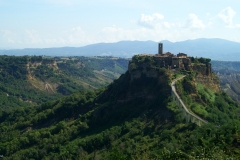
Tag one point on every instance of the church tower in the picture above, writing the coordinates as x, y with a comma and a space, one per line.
160, 48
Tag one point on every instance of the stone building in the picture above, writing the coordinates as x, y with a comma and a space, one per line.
140, 66
167, 59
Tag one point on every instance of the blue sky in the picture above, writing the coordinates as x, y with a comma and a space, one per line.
57, 23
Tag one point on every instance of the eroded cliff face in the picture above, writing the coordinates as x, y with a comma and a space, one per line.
211, 82
151, 73
144, 69
147, 67
205, 76
230, 84
146, 81
49, 63
202, 69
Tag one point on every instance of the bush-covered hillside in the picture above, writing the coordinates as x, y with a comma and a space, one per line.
33, 80
132, 118
213, 106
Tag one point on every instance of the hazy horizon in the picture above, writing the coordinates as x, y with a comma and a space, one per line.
9, 48
58, 23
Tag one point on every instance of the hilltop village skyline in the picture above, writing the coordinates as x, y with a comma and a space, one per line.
168, 59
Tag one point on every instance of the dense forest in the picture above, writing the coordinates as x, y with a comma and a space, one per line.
31, 80
132, 118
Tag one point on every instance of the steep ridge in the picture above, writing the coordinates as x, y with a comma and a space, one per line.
188, 115
132, 118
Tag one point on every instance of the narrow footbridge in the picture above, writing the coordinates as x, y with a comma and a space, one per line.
190, 117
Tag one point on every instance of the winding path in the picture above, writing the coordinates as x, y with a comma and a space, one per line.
187, 114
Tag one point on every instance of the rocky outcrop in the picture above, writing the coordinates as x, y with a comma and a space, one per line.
202, 69
211, 82
49, 63
139, 69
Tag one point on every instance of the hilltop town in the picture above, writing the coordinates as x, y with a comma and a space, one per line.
167, 59
179, 61
149, 65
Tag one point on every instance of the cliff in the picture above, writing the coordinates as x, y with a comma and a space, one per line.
205, 76
145, 66
148, 66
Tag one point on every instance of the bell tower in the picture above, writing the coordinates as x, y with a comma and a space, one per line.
160, 48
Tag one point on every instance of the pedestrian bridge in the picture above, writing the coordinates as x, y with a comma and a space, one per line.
190, 117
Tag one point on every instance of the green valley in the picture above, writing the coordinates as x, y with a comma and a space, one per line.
31, 80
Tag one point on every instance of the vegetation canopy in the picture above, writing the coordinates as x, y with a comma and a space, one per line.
134, 117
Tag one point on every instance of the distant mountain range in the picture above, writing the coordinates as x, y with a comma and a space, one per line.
216, 49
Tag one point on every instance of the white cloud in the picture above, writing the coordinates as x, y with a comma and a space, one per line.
114, 34
193, 23
237, 25
71, 37
227, 15
150, 21
7, 36
166, 24
33, 37
76, 35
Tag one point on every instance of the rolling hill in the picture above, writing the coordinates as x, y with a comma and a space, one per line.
216, 49
30, 80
